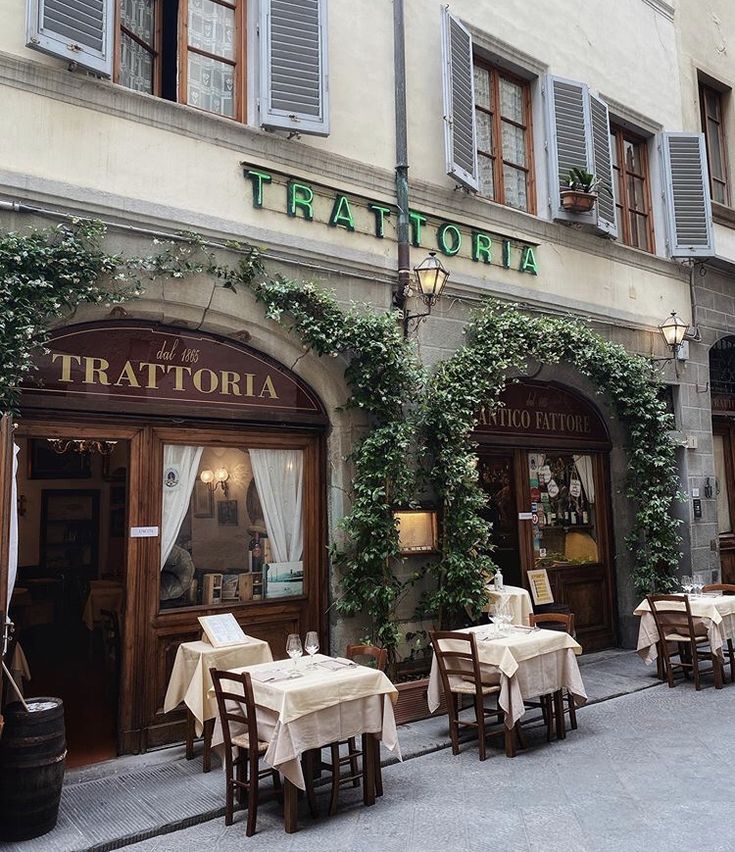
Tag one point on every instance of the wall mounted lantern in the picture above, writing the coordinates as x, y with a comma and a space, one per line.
431, 278
673, 330
214, 479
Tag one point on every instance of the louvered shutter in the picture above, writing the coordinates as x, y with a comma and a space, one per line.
686, 187
569, 139
459, 102
78, 31
602, 166
293, 65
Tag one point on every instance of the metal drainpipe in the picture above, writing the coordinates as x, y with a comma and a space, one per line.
404, 260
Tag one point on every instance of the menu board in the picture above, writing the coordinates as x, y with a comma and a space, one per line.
538, 579
222, 630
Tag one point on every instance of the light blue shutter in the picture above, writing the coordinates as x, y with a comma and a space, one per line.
459, 102
294, 85
686, 190
602, 166
78, 31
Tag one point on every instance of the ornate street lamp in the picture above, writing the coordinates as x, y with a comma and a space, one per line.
673, 329
431, 277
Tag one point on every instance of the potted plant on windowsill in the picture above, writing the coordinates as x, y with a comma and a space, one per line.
580, 195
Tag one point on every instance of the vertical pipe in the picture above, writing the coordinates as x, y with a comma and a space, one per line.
404, 261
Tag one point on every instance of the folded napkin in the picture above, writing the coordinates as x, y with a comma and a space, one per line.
274, 675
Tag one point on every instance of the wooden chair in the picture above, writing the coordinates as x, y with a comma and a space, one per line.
460, 674
726, 589
556, 621
242, 773
675, 626
379, 656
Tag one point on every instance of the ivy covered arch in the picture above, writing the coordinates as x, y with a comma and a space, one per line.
501, 338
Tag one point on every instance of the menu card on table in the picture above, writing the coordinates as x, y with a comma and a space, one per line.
540, 586
222, 630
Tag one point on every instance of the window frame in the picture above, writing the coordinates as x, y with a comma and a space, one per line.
496, 73
623, 210
705, 118
182, 55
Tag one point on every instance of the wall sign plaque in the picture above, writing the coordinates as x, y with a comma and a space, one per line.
538, 414
144, 368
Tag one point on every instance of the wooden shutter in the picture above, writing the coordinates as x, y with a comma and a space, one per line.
78, 31
459, 102
294, 85
602, 166
686, 189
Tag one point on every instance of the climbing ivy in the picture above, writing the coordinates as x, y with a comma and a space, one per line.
502, 338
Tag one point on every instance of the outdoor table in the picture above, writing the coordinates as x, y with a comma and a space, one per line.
322, 705
716, 611
518, 598
528, 663
191, 683
103, 595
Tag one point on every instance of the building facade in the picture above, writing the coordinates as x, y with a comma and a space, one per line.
274, 123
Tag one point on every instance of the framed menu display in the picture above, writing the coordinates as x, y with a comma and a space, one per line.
222, 630
538, 580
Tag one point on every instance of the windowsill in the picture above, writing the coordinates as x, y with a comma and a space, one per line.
723, 215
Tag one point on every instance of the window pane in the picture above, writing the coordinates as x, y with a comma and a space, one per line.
211, 84
231, 525
718, 192
482, 87
724, 522
712, 102
212, 28
511, 101
136, 65
484, 131
514, 144
639, 226
566, 530
614, 149
632, 157
139, 17
636, 194
514, 181
713, 137
487, 187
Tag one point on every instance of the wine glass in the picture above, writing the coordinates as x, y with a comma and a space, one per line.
686, 584
293, 646
311, 643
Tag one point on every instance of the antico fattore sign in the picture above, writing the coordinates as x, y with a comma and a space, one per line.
311, 202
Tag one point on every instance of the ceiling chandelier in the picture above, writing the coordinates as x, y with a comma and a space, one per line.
81, 445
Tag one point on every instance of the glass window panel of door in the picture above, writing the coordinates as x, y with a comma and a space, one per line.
231, 526
516, 194
212, 57
514, 144
511, 101
482, 87
487, 186
563, 487
212, 28
137, 44
484, 132
211, 85
722, 485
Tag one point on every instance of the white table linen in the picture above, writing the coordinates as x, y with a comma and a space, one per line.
519, 600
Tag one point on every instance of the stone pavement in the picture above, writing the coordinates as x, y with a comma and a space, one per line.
117, 803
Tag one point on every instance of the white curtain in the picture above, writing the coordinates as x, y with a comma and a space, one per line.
13, 543
585, 469
279, 479
184, 462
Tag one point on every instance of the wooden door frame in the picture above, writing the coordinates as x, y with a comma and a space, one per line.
725, 426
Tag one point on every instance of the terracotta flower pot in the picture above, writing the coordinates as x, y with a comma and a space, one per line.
578, 202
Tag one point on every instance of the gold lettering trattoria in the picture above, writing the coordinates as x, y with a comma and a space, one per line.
147, 375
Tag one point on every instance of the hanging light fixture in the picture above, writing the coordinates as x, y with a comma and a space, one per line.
81, 445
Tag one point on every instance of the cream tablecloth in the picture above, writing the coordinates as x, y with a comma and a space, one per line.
318, 708
103, 594
518, 598
717, 612
526, 664
191, 682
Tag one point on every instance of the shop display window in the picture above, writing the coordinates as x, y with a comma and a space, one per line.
564, 511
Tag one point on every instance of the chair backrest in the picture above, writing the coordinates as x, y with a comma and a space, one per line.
566, 619
672, 614
380, 655
459, 661
243, 712
725, 588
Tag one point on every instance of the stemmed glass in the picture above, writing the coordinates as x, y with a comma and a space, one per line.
687, 584
311, 644
293, 646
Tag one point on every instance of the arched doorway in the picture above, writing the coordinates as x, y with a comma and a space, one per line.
543, 461
167, 474
722, 385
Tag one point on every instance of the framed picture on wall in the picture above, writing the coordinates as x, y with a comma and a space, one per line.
202, 500
227, 513
45, 463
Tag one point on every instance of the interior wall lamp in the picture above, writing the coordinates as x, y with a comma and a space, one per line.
214, 479
431, 278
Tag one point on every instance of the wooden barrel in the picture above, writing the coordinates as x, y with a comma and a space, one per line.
32, 762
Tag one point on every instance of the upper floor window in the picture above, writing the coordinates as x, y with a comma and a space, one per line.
504, 145
632, 188
710, 103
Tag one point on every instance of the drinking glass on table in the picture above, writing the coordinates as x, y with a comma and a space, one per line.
311, 644
686, 584
293, 646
